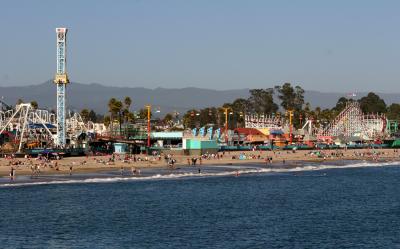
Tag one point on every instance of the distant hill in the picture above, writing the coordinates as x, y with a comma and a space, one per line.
96, 96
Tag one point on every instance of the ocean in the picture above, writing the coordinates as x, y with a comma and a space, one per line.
315, 206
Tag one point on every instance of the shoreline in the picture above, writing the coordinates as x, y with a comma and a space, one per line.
280, 160
221, 170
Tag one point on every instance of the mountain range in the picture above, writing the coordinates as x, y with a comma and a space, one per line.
95, 96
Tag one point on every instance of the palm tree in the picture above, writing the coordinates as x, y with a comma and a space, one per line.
127, 102
107, 121
126, 112
118, 110
115, 107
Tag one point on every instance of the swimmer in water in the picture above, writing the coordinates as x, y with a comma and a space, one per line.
133, 170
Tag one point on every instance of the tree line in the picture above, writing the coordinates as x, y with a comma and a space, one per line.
278, 101
291, 100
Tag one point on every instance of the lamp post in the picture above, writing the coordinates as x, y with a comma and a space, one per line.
290, 112
226, 122
148, 125
229, 119
148, 107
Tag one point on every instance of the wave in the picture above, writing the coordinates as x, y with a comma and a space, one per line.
236, 170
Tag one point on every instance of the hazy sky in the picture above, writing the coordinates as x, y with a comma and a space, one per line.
335, 45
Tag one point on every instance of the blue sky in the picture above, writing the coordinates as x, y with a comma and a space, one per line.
346, 46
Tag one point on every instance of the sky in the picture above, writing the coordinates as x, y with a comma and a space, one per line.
330, 46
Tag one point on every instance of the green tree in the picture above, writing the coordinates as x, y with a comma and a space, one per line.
261, 101
92, 116
326, 116
143, 113
372, 103
318, 110
125, 114
107, 121
128, 117
34, 105
111, 107
393, 112
190, 119
115, 108
168, 118
240, 108
240, 105
341, 104
291, 98
85, 115
99, 118
307, 110
127, 102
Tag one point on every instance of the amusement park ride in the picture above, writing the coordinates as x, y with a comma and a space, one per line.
61, 80
28, 127
350, 124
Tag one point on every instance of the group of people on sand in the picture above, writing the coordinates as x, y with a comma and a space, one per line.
170, 160
35, 169
193, 161
29, 163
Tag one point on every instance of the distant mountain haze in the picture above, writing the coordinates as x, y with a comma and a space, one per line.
95, 96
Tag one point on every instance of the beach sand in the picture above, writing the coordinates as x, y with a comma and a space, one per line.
93, 164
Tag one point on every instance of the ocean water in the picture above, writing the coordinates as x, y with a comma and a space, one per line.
348, 206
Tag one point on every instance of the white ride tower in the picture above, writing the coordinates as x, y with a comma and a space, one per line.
61, 80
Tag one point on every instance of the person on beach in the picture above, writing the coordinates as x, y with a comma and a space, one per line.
199, 171
122, 170
12, 173
32, 171
37, 169
70, 170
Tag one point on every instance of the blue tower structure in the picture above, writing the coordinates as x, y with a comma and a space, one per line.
61, 80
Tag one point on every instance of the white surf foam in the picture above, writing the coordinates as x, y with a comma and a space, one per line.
240, 170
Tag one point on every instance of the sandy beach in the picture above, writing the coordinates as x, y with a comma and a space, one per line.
93, 164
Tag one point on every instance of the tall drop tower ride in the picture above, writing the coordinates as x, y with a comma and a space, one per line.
61, 80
